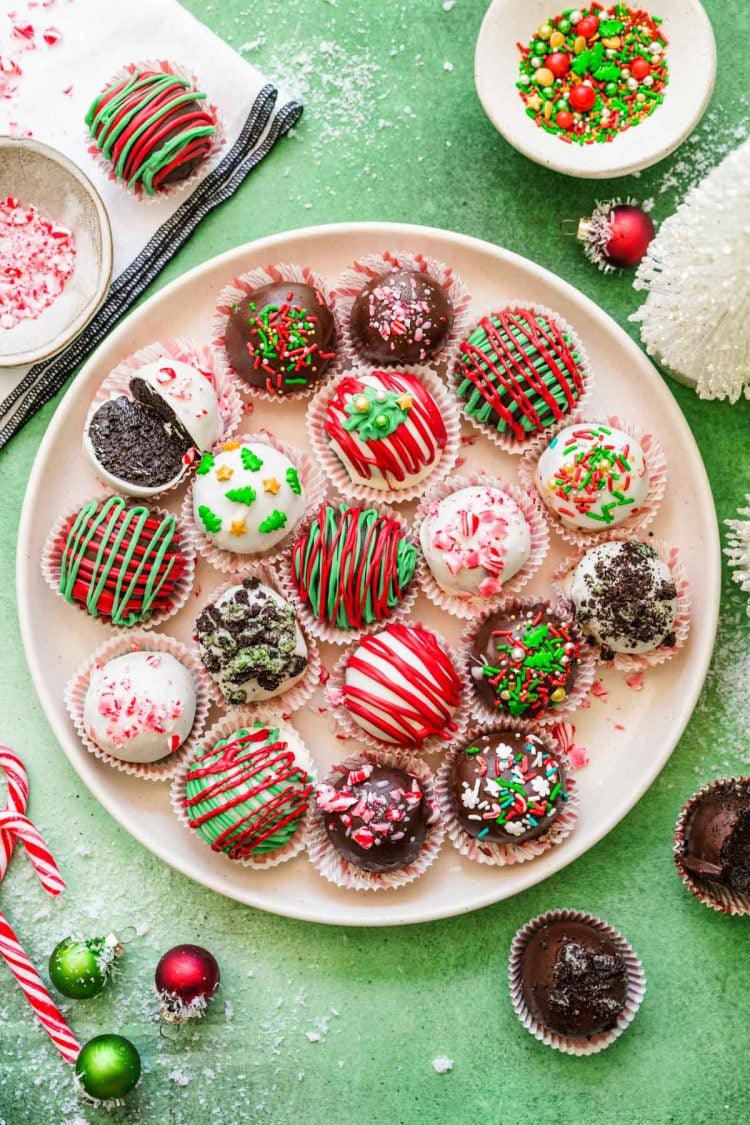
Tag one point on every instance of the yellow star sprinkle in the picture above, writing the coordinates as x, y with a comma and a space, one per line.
224, 473
270, 484
405, 402
237, 527
228, 446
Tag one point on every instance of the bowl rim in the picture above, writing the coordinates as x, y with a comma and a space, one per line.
31, 356
562, 161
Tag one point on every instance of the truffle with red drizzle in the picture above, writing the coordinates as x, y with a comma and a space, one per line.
519, 372
386, 429
401, 316
524, 661
376, 816
248, 795
401, 687
119, 560
281, 338
152, 128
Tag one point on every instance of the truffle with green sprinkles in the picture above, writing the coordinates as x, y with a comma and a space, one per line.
507, 787
281, 338
590, 74
524, 660
519, 372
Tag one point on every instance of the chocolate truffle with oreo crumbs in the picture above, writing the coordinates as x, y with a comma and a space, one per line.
716, 836
400, 317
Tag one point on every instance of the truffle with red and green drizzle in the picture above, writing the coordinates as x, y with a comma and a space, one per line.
519, 372
524, 661
248, 795
281, 338
507, 787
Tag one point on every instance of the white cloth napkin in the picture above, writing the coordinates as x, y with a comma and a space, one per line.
98, 38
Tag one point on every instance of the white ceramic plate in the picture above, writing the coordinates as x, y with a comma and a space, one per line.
630, 738
692, 70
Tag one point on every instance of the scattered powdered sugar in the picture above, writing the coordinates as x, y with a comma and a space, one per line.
442, 1064
37, 256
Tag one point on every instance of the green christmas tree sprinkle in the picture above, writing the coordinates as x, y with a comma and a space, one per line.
209, 519
249, 460
241, 495
273, 522
292, 479
205, 464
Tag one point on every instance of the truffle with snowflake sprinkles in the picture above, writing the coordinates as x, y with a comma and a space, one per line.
738, 549
507, 787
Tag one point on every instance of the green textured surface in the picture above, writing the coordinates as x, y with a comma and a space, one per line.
420, 150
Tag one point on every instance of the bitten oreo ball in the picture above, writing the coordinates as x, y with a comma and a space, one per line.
401, 317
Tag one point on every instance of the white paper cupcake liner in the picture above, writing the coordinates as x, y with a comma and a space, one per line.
469, 606
574, 699
140, 640
638, 662
535, 443
321, 629
203, 357
331, 864
335, 470
238, 720
348, 726
570, 1045
362, 271
233, 563
240, 287
51, 565
639, 518
722, 899
294, 697
184, 187
496, 854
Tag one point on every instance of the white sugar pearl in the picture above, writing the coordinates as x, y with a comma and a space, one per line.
648, 80
632, 83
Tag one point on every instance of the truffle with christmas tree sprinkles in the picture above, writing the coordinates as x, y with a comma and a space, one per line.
245, 791
520, 372
385, 433
526, 661
374, 823
152, 127
401, 316
120, 561
591, 74
251, 643
352, 568
399, 687
575, 983
712, 845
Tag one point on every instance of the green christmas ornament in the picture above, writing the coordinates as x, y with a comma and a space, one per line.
80, 967
108, 1068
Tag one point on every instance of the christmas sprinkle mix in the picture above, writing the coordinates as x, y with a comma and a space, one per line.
37, 256
589, 74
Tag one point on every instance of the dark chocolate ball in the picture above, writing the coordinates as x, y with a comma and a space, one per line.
574, 979
281, 338
507, 787
716, 837
524, 662
401, 317
376, 816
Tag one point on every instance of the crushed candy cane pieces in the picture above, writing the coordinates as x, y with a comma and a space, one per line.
37, 256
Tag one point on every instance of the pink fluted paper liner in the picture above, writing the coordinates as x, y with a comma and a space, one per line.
711, 894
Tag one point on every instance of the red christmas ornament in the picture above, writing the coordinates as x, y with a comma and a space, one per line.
588, 27
617, 235
186, 978
640, 68
559, 63
582, 98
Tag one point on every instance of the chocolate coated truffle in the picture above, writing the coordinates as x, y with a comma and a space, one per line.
507, 787
525, 661
400, 317
716, 837
281, 337
376, 816
574, 979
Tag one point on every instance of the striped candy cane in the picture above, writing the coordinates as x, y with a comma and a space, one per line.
14, 825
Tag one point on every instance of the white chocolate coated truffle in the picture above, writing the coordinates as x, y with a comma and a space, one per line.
189, 394
140, 707
592, 477
475, 540
247, 497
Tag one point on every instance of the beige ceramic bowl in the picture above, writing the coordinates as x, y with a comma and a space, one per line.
38, 174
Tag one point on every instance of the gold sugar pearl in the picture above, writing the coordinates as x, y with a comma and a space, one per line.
544, 77
580, 44
558, 695
362, 404
556, 39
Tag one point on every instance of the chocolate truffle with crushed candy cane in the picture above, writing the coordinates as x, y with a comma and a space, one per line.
507, 787
140, 707
402, 316
401, 687
592, 476
475, 540
376, 816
